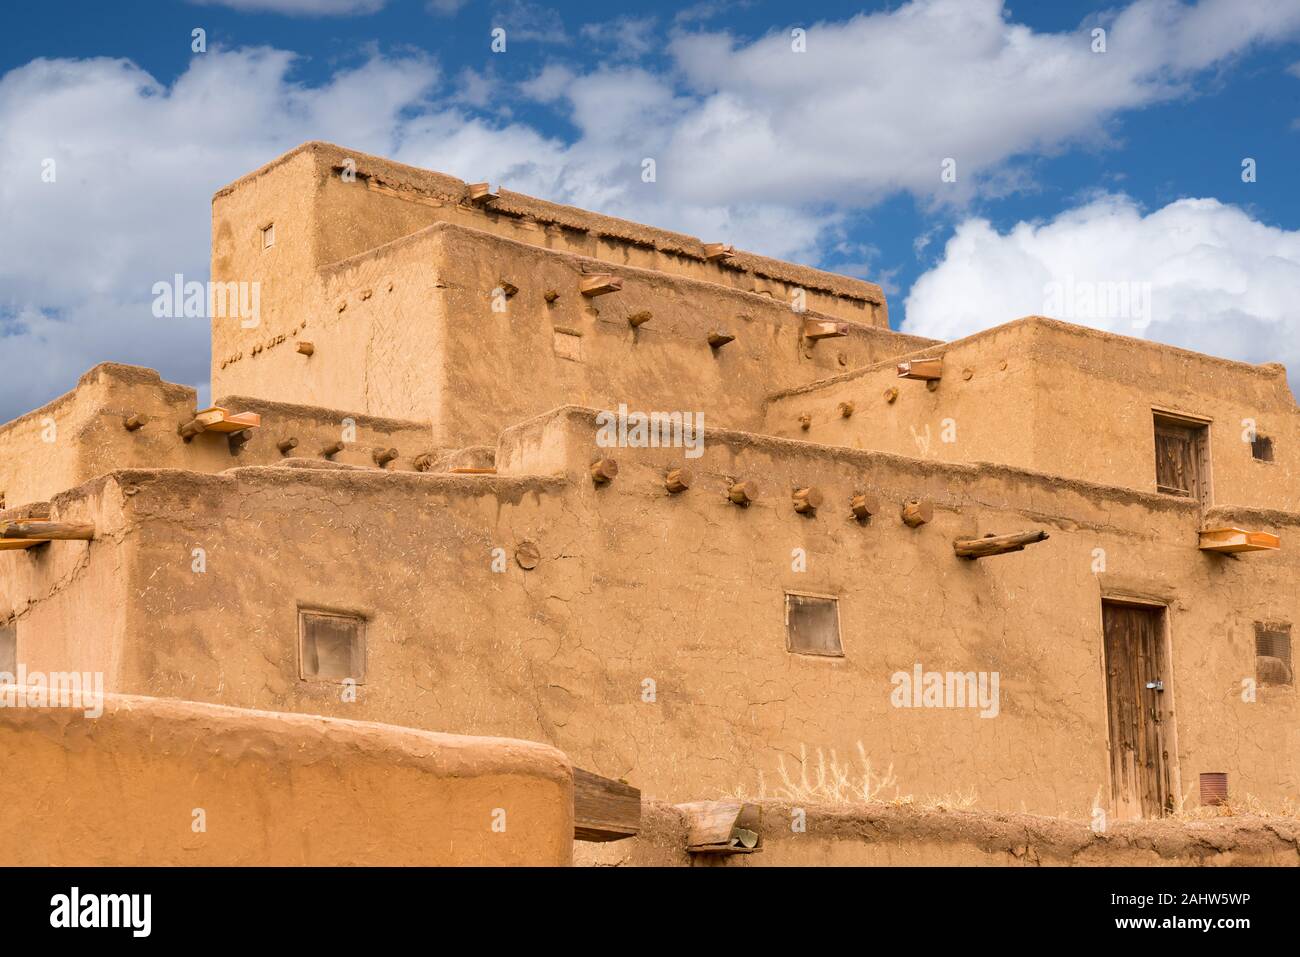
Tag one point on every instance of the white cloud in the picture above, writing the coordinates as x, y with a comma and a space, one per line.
528, 21
300, 8
1219, 281
445, 8
626, 37
136, 164
753, 145
878, 102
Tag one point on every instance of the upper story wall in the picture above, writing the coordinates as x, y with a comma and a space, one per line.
1067, 400
335, 203
473, 332
276, 226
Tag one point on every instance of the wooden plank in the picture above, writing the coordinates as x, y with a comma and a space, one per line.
604, 809
710, 822
48, 531
824, 329
599, 284
996, 544
217, 419
721, 827
481, 193
1232, 540
921, 369
466, 470
14, 544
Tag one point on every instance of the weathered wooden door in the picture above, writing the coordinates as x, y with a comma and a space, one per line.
1140, 722
1179, 451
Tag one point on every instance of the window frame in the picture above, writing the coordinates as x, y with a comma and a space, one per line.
361, 651
839, 629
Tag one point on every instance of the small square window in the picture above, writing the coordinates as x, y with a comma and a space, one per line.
567, 345
9, 648
1262, 448
1273, 653
332, 647
812, 625
268, 235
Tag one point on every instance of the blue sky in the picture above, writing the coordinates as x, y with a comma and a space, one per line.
1072, 163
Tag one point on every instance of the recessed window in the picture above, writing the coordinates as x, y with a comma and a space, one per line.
332, 647
812, 625
1182, 457
1262, 448
1273, 653
268, 235
9, 648
567, 345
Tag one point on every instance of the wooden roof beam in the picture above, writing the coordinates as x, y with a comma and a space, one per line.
928, 369
604, 809
996, 544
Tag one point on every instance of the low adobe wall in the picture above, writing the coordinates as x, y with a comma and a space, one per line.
274, 789
81, 435
885, 834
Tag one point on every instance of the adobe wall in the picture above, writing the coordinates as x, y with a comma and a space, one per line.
88, 438
687, 591
273, 789
327, 218
76, 436
881, 834
1063, 399
409, 330
70, 601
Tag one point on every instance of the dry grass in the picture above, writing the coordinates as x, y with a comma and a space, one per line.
827, 781
1249, 806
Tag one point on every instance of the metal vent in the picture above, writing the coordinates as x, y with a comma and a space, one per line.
1214, 788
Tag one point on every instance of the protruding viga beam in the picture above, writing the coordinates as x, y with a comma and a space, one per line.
996, 544
48, 531
604, 809
721, 827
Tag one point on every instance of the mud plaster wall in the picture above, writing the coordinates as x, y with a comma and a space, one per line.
89, 438
69, 600
80, 434
388, 200
410, 330
275, 790
884, 835
688, 591
1065, 400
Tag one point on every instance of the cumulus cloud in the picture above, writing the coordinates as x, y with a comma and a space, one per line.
877, 103
1196, 273
751, 143
135, 164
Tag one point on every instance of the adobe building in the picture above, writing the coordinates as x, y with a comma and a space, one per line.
1043, 565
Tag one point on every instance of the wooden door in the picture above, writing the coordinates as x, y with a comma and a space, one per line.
1179, 451
1136, 673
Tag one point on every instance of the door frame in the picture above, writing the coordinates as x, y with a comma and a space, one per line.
1165, 650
